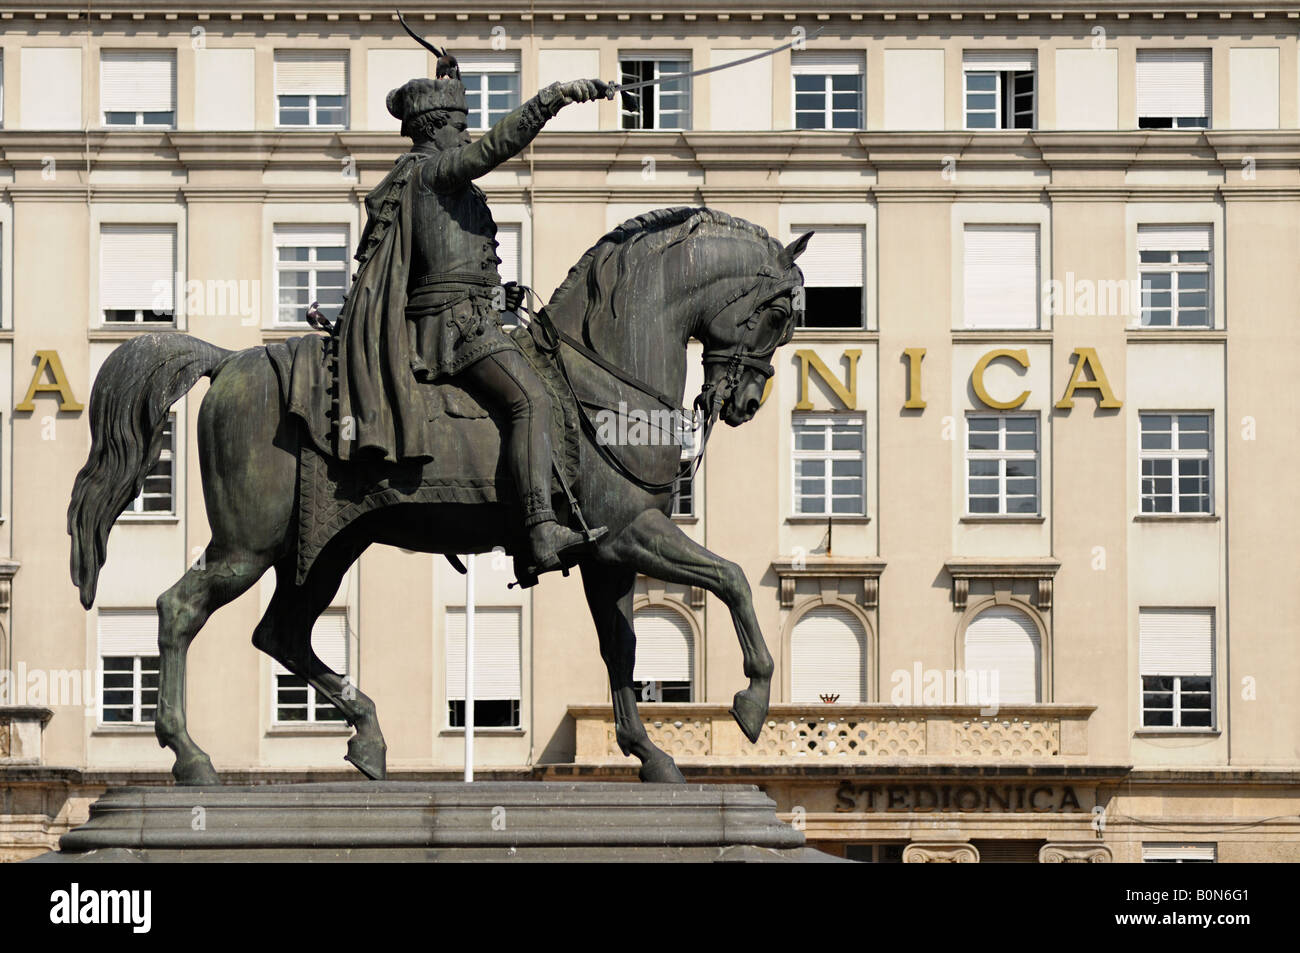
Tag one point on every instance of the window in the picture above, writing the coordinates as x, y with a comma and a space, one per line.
666, 105
1173, 89
138, 88
298, 703
311, 88
1176, 457
1002, 464
497, 633
684, 495
137, 273
311, 264
1176, 657
830, 465
875, 853
833, 266
508, 252
1179, 853
491, 86
1000, 89
1175, 268
828, 658
827, 90
1004, 651
128, 665
159, 492
665, 656
1000, 281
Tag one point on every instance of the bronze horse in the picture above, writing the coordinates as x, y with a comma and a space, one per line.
635, 299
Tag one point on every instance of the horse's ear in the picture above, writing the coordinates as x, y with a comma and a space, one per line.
796, 247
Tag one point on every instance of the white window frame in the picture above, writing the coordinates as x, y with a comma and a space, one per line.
1176, 267
1176, 454
853, 419
838, 65
139, 122
1001, 117
316, 701
481, 67
168, 455
143, 316
313, 104
1161, 852
1147, 668
1002, 456
283, 235
1034, 288
657, 90
138, 672
456, 691
1176, 122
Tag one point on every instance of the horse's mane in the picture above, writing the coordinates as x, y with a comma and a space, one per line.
683, 219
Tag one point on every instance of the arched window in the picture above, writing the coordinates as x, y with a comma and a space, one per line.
665, 655
1006, 641
828, 656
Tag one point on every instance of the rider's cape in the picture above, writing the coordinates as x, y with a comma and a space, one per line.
378, 411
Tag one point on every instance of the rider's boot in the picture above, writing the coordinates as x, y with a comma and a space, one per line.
554, 545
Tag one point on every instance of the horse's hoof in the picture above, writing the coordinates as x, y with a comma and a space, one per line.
369, 758
749, 713
661, 769
195, 771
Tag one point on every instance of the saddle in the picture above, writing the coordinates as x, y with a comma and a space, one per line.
466, 466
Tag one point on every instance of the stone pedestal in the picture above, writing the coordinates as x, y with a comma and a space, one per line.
435, 821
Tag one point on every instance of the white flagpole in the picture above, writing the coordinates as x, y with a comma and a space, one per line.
469, 667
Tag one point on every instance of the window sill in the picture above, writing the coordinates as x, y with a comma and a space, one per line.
145, 519
999, 518
981, 335
822, 520
308, 730
498, 732
125, 729
835, 335
1177, 733
1213, 335
127, 330
686, 520
1176, 518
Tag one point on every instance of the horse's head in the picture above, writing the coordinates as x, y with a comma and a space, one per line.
740, 339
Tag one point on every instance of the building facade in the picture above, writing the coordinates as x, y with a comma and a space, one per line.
1008, 508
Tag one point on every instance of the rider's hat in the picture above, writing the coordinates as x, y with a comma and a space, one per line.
420, 96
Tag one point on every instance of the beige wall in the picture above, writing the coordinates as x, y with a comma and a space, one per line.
1087, 193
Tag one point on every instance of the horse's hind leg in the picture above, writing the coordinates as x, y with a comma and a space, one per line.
609, 596
285, 634
653, 544
213, 581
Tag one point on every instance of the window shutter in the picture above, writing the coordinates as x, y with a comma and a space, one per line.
834, 256
1174, 238
1176, 641
827, 64
479, 61
508, 251
128, 632
311, 72
135, 263
1173, 83
828, 656
329, 640
1001, 276
137, 81
665, 646
299, 235
1179, 852
496, 654
1006, 641
999, 61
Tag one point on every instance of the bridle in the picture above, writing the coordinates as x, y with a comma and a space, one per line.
705, 409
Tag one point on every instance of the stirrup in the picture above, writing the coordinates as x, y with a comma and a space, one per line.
563, 557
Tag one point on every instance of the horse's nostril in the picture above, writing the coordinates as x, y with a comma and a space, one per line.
751, 407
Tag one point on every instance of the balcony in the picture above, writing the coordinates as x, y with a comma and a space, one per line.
847, 734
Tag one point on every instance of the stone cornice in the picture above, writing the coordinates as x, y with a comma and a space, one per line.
582, 11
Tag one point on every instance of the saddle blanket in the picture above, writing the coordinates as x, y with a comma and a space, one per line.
466, 466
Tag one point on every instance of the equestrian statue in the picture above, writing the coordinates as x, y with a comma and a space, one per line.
433, 416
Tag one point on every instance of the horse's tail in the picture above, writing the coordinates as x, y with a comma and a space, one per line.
128, 410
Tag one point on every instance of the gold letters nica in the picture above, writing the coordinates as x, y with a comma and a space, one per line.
1086, 375
49, 365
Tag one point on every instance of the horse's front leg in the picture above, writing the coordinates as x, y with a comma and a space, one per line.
609, 595
654, 545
